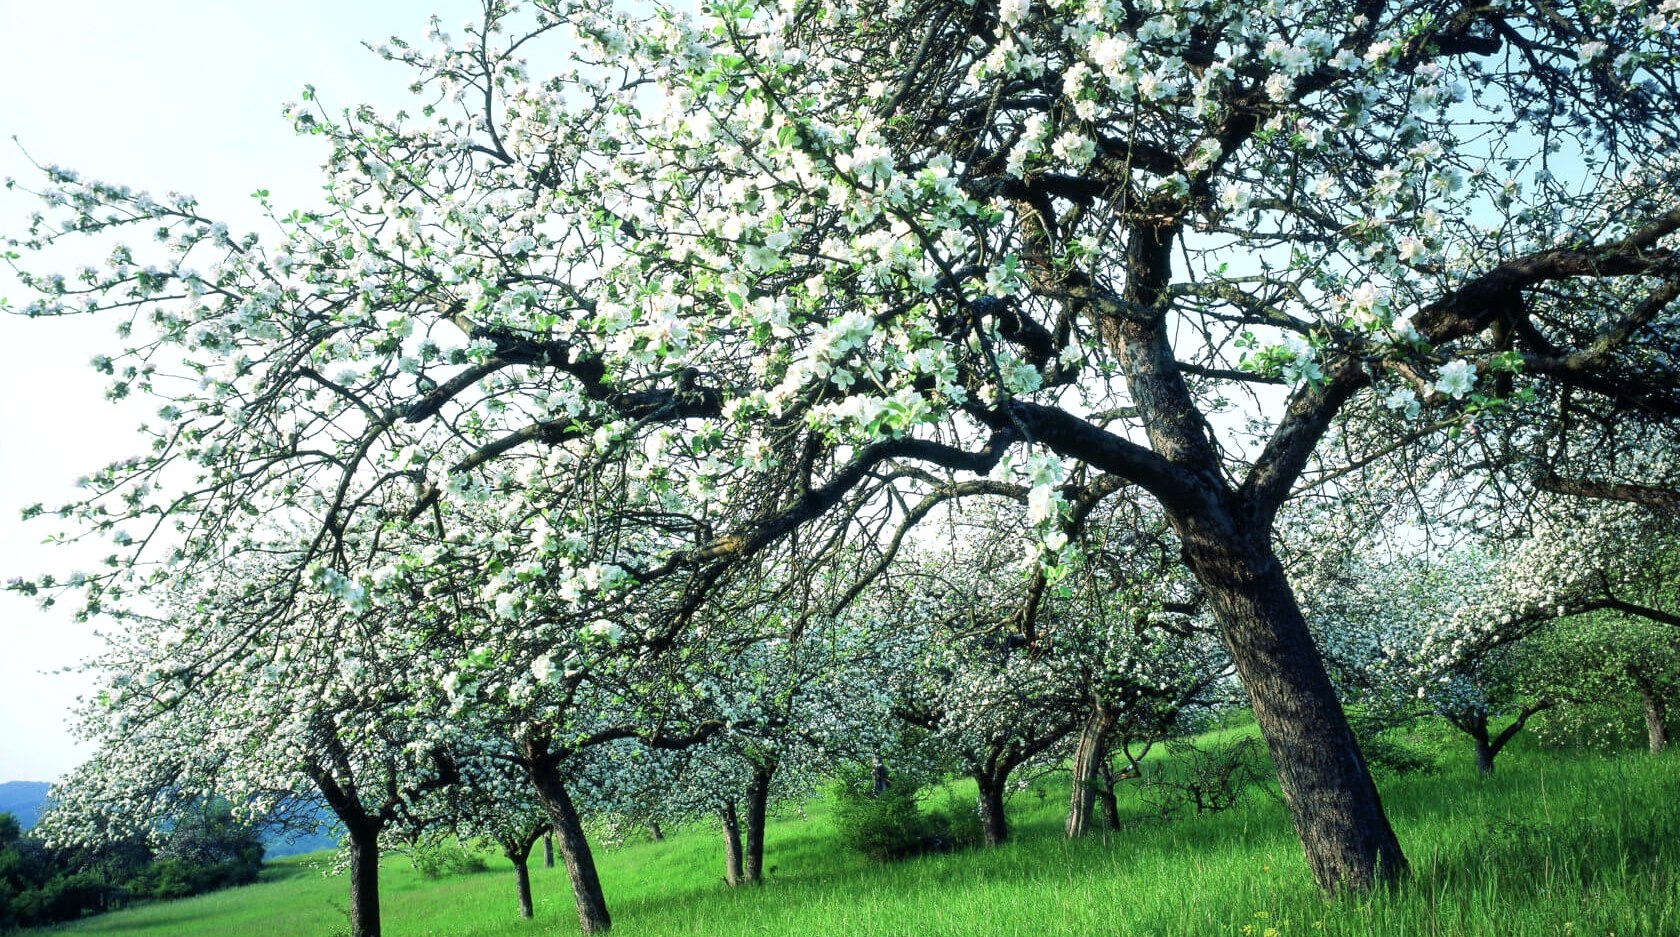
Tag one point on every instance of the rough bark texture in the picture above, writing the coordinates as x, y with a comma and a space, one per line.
364, 881
1110, 803
1332, 799
548, 850
732, 872
994, 823
758, 804
1225, 537
574, 848
1656, 720
1088, 758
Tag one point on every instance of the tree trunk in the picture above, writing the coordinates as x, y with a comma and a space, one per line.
654, 832
522, 872
517, 849
1088, 757
1110, 804
1656, 720
574, 847
731, 844
994, 823
364, 881
1484, 753
1332, 799
878, 775
758, 805
1475, 725
548, 850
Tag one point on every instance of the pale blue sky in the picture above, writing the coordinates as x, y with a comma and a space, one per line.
166, 95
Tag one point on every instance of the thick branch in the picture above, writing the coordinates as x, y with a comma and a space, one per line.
1666, 500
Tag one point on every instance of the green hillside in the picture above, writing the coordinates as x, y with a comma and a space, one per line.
1549, 845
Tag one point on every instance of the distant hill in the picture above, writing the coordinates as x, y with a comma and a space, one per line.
24, 800
279, 843
27, 800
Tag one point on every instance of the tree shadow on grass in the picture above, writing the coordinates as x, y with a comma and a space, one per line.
1530, 857
285, 872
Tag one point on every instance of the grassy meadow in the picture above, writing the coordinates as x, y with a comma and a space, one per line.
1550, 844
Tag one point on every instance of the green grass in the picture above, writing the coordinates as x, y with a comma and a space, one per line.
1549, 845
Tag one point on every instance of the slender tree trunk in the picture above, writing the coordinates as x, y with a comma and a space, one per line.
1088, 757
1332, 799
522, 872
731, 844
878, 775
364, 880
517, 849
758, 805
654, 832
1656, 720
994, 823
548, 850
574, 847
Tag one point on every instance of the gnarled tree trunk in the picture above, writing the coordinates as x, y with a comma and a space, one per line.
574, 845
1331, 797
1475, 725
1088, 758
1488, 746
1105, 795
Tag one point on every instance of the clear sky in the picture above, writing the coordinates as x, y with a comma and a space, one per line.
167, 95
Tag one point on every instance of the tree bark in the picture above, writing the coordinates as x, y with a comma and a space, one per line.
1489, 746
517, 849
1485, 752
731, 844
1656, 720
1088, 757
994, 822
1225, 539
364, 880
574, 847
877, 775
758, 805
522, 872
1110, 803
654, 832
1475, 725
1326, 784
548, 850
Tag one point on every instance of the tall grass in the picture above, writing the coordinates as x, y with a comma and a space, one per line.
1550, 844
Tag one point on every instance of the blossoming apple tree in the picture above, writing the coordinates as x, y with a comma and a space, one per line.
784, 260
271, 694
